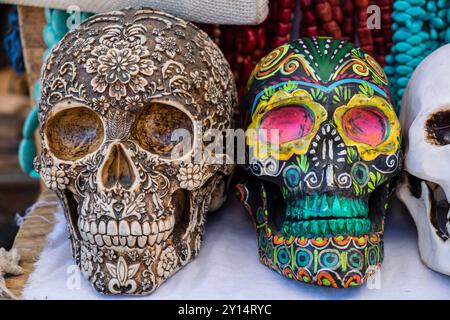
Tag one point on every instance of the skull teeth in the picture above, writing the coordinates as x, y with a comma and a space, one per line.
131, 241
98, 240
124, 228
126, 234
102, 227
111, 229
136, 229
146, 229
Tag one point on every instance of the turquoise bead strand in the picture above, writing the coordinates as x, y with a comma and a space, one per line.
420, 27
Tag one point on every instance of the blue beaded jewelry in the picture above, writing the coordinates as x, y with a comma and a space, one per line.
12, 44
420, 27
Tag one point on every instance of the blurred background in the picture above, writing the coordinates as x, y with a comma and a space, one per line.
17, 190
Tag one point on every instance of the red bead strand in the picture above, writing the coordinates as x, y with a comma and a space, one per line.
347, 20
244, 46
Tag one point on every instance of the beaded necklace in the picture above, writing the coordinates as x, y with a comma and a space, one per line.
244, 46
420, 27
347, 20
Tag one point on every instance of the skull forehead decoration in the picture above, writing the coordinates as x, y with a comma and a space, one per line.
324, 145
425, 187
116, 92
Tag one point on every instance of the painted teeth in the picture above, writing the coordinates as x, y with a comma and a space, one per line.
122, 233
327, 206
327, 228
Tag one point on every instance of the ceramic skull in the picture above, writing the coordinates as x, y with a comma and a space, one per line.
323, 144
425, 187
120, 94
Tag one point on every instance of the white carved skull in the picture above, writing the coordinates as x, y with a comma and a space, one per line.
116, 92
425, 189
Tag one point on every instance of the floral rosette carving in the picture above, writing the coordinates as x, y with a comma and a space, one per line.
120, 62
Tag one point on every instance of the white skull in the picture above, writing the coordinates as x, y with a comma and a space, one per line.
425, 120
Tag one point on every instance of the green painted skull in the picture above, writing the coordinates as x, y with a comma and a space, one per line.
323, 142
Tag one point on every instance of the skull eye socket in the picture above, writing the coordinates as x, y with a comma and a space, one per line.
366, 125
163, 129
292, 121
438, 128
74, 133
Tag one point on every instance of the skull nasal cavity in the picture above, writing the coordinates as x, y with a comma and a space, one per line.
118, 170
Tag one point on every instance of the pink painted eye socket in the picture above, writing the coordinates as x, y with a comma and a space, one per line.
366, 125
293, 122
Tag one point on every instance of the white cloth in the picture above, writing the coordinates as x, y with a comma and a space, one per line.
228, 267
205, 11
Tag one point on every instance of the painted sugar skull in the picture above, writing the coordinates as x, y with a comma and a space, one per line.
425, 189
323, 146
121, 94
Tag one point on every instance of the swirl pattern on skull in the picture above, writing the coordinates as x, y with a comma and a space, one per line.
115, 89
325, 141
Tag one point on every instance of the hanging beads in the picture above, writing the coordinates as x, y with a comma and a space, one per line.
347, 20
419, 27
244, 46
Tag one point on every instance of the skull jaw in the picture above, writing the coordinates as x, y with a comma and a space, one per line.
127, 272
338, 261
122, 269
314, 269
434, 245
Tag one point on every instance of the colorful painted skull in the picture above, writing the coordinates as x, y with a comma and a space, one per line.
325, 141
119, 94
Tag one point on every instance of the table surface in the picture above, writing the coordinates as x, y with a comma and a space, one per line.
31, 238
228, 267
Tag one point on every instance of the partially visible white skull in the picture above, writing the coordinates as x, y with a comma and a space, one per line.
425, 120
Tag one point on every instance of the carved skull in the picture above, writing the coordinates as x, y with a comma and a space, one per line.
121, 94
425, 189
324, 146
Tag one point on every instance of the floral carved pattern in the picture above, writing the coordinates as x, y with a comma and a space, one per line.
111, 68
120, 62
